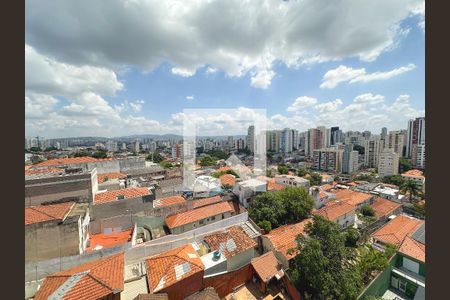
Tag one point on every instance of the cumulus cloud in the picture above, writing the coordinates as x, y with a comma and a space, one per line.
230, 36
190, 98
368, 98
333, 78
329, 106
302, 102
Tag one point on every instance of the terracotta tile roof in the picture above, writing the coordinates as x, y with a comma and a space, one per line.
267, 266
228, 179
322, 195
107, 176
208, 293
169, 201
273, 186
43, 171
27, 167
333, 210
413, 249
70, 161
327, 187
129, 193
284, 238
384, 207
224, 169
236, 235
395, 231
352, 197
351, 183
206, 201
198, 214
165, 269
159, 296
92, 280
108, 240
413, 173
43, 213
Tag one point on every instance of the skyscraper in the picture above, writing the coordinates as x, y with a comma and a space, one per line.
273, 138
251, 138
395, 141
349, 159
372, 152
383, 133
388, 163
328, 159
334, 135
286, 140
415, 134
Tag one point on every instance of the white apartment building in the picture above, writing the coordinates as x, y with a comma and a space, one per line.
372, 152
388, 163
290, 180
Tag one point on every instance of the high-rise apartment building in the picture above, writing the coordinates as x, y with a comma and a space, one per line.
388, 163
334, 135
111, 146
395, 141
251, 138
286, 141
136, 147
273, 139
372, 152
295, 139
418, 156
313, 141
349, 159
383, 133
328, 159
415, 134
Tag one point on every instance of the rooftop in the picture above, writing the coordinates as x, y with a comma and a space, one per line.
101, 178
128, 193
30, 171
252, 183
107, 240
70, 161
230, 241
267, 266
169, 201
413, 173
206, 201
273, 186
384, 207
198, 214
395, 231
163, 270
333, 210
208, 293
44, 213
92, 280
413, 248
227, 179
352, 197
284, 238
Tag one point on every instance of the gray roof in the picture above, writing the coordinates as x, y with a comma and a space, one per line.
419, 235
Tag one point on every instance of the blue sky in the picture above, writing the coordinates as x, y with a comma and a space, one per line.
109, 79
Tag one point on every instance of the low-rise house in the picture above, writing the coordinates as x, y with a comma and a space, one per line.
178, 272
293, 181
209, 293
395, 231
56, 230
206, 201
109, 239
198, 217
416, 176
268, 270
247, 189
227, 180
168, 206
109, 204
320, 197
111, 181
99, 279
233, 245
283, 239
339, 212
353, 198
326, 178
385, 208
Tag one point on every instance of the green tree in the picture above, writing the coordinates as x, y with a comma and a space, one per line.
352, 237
265, 225
207, 161
411, 188
155, 157
315, 179
166, 164
398, 180
100, 154
371, 262
35, 149
301, 172
218, 174
405, 165
81, 154
52, 148
218, 154
367, 211
324, 267
283, 169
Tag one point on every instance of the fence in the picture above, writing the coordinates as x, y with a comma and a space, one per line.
41, 269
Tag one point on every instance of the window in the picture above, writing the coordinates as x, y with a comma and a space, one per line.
223, 216
201, 222
213, 218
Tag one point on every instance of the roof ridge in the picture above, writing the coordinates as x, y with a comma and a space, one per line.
44, 213
100, 281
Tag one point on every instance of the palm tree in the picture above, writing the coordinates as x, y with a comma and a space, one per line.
410, 187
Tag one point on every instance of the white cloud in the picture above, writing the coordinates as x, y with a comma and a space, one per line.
190, 98
211, 70
369, 98
302, 102
333, 78
329, 106
231, 36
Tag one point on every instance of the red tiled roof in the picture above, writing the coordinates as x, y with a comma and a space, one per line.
413, 249
70, 161
103, 277
413, 173
109, 240
161, 268
333, 210
43, 213
206, 201
284, 238
267, 266
228, 179
327, 187
198, 214
107, 176
43, 171
273, 186
223, 169
169, 201
352, 197
129, 193
384, 207
395, 231
242, 241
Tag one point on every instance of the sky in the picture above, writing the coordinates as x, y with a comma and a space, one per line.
114, 68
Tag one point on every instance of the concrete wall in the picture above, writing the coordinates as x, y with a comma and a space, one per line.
122, 207
349, 217
184, 287
194, 225
107, 166
47, 240
381, 283
268, 246
240, 260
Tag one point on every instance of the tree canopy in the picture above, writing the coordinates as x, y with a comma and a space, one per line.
100, 154
283, 169
157, 158
405, 164
218, 174
276, 208
207, 161
398, 180
411, 188
301, 172
367, 211
315, 179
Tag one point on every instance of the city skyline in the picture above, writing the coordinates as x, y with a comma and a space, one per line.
108, 84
